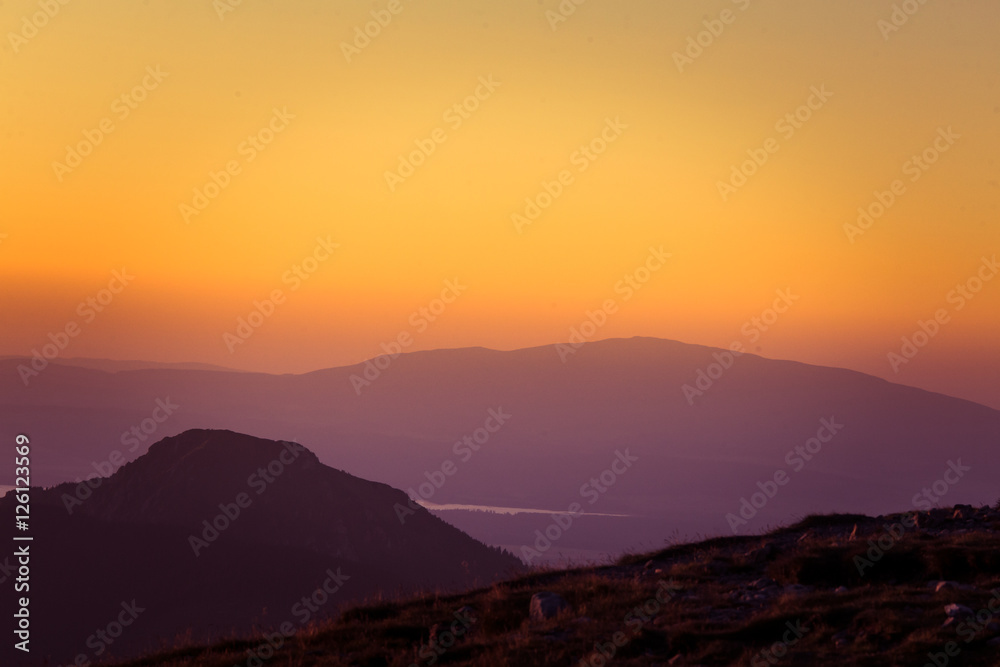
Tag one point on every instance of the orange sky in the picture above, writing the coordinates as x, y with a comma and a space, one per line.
308, 129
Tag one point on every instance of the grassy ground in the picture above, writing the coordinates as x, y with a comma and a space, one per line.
796, 596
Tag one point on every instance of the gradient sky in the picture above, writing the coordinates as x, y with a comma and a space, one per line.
657, 183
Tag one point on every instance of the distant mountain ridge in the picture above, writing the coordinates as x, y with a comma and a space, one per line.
702, 458
116, 365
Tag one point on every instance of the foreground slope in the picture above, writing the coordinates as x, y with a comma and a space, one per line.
907, 589
214, 532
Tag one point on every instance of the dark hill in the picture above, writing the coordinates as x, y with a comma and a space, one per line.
141, 534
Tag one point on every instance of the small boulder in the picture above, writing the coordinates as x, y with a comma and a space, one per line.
951, 586
763, 582
761, 555
546, 605
956, 610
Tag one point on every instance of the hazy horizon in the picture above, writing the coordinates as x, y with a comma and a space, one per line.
687, 116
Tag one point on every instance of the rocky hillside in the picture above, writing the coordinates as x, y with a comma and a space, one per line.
906, 589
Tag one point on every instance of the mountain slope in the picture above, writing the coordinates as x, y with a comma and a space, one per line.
214, 532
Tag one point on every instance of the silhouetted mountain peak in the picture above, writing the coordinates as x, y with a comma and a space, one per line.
277, 493
218, 511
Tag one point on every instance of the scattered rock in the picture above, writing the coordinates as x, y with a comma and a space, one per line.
717, 566
655, 567
761, 555
956, 610
840, 589
841, 639
951, 586
546, 605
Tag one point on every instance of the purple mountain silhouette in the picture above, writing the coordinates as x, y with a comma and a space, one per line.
214, 532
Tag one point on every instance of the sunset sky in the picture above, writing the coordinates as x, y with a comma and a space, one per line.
308, 118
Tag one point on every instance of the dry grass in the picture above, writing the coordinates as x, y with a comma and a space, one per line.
732, 598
